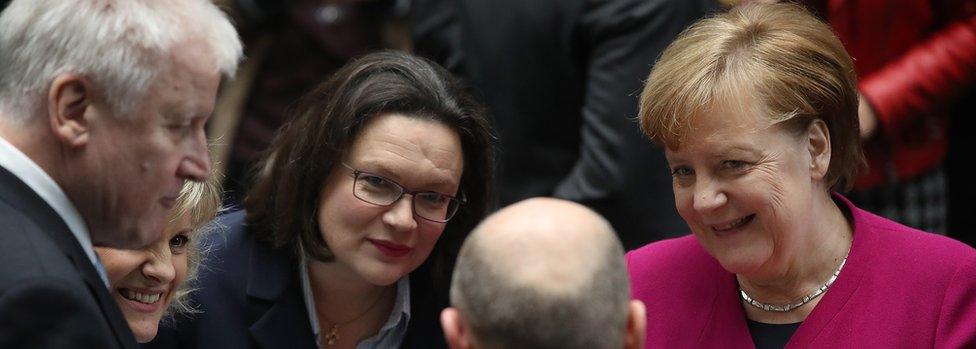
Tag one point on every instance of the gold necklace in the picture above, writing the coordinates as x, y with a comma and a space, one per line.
333, 333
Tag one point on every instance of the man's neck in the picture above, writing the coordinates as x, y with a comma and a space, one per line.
29, 138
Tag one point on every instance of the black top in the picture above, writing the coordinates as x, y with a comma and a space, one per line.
771, 335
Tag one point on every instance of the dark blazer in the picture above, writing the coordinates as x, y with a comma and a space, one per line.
50, 294
561, 80
250, 296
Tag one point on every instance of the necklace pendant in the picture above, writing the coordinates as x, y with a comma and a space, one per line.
332, 335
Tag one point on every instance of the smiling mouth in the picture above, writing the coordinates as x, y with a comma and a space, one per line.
144, 298
739, 223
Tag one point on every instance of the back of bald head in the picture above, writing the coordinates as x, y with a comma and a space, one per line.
543, 273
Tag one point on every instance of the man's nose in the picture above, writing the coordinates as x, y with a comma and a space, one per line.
196, 165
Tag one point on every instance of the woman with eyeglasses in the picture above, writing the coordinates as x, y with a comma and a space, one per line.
349, 236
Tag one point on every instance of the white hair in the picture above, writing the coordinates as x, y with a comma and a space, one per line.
120, 45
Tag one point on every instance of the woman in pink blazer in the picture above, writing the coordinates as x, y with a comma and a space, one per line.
757, 111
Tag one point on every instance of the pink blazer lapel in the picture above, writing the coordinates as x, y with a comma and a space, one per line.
725, 326
830, 309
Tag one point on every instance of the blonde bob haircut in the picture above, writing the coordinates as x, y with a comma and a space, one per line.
199, 203
779, 60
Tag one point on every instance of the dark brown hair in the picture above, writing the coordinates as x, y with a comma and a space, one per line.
283, 203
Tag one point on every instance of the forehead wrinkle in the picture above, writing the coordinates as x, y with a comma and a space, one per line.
405, 158
737, 149
180, 77
720, 145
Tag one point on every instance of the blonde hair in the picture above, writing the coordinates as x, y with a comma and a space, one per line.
779, 55
200, 202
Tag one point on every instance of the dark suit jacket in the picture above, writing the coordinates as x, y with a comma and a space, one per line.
561, 78
250, 295
50, 294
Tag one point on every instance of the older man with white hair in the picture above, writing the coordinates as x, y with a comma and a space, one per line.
102, 108
543, 273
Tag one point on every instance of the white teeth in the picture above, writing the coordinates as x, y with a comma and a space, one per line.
139, 297
734, 224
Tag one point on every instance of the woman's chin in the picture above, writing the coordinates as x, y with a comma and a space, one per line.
742, 263
382, 273
144, 332
739, 257
382, 276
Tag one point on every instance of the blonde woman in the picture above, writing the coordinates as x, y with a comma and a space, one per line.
151, 282
757, 111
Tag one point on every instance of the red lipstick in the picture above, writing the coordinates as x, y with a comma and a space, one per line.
390, 249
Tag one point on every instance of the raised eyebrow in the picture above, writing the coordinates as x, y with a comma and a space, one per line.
733, 153
435, 193
437, 182
438, 192
381, 172
672, 159
383, 177
384, 171
740, 149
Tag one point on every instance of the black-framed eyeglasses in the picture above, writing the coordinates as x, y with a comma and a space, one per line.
381, 191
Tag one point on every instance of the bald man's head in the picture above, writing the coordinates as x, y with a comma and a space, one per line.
543, 273
523, 241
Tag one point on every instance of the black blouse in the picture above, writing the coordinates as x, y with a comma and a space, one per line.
771, 336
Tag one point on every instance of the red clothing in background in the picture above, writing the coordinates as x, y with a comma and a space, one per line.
913, 57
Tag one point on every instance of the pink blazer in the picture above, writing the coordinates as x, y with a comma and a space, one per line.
900, 288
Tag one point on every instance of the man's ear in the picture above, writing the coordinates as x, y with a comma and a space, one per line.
819, 146
456, 330
68, 100
636, 325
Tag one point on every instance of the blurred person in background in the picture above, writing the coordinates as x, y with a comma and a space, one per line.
916, 60
292, 45
560, 79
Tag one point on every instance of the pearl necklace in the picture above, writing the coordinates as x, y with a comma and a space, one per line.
800, 302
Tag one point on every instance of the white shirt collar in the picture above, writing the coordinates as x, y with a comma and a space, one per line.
392, 333
41, 183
